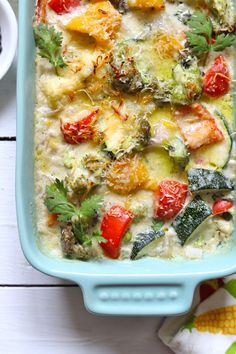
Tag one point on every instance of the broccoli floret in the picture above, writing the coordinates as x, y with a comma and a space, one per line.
187, 82
96, 164
143, 135
88, 174
129, 78
126, 77
79, 182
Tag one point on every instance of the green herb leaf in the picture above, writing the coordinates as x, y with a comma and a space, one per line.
90, 206
200, 23
223, 41
157, 225
96, 236
198, 43
86, 239
57, 202
200, 37
49, 42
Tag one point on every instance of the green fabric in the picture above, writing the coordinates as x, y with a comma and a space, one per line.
232, 349
231, 288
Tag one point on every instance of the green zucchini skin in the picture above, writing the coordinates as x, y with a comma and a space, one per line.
214, 155
201, 179
144, 239
229, 132
190, 218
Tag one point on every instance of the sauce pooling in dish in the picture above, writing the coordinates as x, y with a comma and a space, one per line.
133, 128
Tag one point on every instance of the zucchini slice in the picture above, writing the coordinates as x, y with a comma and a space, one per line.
214, 155
208, 180
191, 218
144, 239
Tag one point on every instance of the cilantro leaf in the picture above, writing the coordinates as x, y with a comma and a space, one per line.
200, 23
90, 206
96, 236
197, 43
223, 41
200, 36
57, 202
86, 239
49, 43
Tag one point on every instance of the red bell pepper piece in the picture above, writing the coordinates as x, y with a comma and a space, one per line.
170, 198
216, 81
62, 7
114, 226
221, 206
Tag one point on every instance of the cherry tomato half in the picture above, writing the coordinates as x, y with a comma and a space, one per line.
216, 81
79, 131
170, 198
221, 206
62, 7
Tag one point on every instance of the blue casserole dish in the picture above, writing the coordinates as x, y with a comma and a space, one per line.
144, 287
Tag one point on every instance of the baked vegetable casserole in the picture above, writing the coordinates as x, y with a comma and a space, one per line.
134, 128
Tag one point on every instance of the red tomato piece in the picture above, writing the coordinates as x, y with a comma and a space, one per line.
221, 206
114, 226
216, 81
52, 219
170, 198
63, 6
79, 131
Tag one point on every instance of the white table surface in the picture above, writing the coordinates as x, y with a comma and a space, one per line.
43, 314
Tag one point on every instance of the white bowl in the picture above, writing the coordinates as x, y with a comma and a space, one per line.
8, 27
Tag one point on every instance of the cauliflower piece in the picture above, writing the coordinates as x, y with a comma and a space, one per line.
101, 21
56, 87
147, 4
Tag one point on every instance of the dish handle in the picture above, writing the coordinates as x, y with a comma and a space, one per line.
138, 295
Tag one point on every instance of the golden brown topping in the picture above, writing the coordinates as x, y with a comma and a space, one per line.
101, 21
127, 175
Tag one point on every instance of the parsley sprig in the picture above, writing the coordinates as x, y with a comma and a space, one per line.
49, 43
200, 38
87, 239
57, 202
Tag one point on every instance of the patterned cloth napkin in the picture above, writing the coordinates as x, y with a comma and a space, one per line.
210, 326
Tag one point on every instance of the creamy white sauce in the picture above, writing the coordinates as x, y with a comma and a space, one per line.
53, 155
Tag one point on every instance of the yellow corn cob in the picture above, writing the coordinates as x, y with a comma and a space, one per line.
221, 320
101, 21
146, 4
